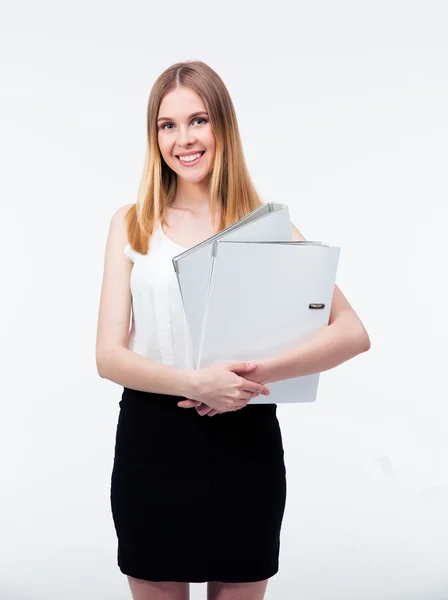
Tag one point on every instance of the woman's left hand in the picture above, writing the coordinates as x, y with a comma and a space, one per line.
201, 409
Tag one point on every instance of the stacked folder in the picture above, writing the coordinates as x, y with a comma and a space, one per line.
250, 292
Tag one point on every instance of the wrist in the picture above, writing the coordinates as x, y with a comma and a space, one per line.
187, 383
264, 370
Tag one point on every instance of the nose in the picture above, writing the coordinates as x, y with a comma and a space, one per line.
184, 138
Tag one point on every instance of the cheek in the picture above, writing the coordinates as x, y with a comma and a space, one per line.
162, 147
211, 155
207, 138
165, 155
212, 147
210, 144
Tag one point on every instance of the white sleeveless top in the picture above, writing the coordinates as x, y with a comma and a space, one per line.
159, 328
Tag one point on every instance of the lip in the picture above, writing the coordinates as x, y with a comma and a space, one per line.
194, 162
189, 153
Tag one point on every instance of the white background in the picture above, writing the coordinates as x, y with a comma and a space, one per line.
342, 108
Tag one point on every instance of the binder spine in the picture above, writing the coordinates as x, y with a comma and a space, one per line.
207, 302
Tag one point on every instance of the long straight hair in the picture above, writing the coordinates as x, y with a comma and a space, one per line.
229, 183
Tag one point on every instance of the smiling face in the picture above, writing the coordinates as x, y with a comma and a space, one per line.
183, 128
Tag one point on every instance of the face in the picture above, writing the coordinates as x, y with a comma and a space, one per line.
181, 132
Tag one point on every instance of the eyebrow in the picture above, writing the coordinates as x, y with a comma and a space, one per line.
195, 114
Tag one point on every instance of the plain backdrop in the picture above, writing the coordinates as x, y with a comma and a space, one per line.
342, 108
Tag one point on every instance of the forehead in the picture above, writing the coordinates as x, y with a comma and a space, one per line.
180, 103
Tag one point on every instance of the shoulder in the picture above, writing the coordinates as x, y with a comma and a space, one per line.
119, 216
118, 221
117, 239
296, 234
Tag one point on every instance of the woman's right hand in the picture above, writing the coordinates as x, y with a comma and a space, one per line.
221, 388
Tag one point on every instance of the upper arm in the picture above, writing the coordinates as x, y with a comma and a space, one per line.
115, 301
340, 306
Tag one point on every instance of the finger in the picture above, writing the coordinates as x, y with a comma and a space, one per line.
203, 410
189, 403
210, 412
262, 389
238, 365
255, 388
249, 395
254, 392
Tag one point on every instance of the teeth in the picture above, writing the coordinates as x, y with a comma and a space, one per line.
190, 158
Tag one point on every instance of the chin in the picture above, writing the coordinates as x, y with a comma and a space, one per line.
192, 179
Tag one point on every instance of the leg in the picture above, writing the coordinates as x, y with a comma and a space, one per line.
142, 589
253, 590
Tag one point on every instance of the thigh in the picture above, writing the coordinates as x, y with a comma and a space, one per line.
254, 590
142, 589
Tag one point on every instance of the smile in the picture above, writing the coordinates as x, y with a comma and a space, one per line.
188, 162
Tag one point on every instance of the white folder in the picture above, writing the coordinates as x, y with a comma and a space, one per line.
269, 221
250, 292
265, 298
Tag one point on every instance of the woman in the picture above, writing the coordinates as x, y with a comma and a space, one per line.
194, 499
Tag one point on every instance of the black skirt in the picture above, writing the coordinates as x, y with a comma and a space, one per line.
197, 498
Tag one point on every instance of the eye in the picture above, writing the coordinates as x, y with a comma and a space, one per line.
169, 123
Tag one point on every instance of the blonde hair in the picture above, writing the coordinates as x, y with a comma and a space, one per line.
230, 183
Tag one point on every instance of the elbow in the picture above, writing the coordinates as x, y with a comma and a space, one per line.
356, 334
105, 360
357, 337
363, 340
100, 367
102, 363
365, 344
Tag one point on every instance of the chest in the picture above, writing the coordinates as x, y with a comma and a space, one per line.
187, 231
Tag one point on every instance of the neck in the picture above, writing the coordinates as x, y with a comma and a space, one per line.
192, 196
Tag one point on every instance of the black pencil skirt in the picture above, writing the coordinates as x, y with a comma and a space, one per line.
197, 498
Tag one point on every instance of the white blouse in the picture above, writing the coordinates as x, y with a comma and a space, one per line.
159, 328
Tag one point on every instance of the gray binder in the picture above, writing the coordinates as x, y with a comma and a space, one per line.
270, 221
251, 292
265, 298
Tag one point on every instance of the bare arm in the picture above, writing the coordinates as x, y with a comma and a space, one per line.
139, 373
113, 359
326, 349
